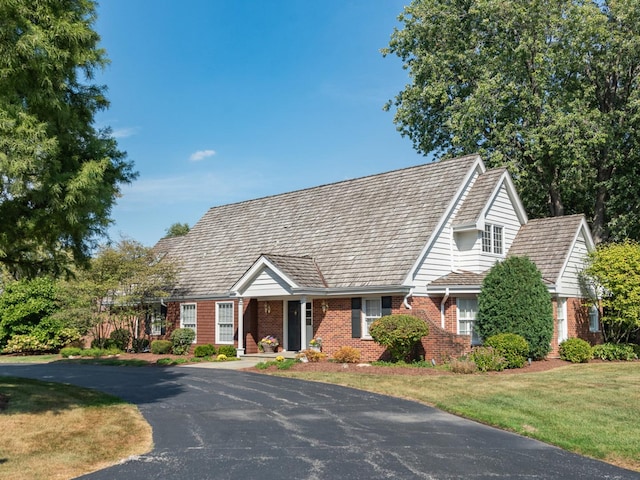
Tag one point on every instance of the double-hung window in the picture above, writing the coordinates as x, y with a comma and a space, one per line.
224, 322
467, 312
156, 321
594, 319
188, 317
492, 239
371, 312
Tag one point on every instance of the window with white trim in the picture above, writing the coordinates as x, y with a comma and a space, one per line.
188, 317
594, 319
371, 311
492, 241
467, 313
224, 322
157, 322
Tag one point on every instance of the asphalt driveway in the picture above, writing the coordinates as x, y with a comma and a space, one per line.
213, 423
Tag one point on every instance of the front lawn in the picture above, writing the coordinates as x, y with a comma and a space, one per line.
591, 409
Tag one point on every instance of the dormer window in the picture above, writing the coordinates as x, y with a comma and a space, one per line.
492, 239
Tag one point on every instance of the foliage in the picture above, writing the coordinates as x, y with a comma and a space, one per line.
160, 347
221, 357
140, 345
27, 344
613, 272
487, 359
548, 89
347, 354
399, 334
514, 299
172, 361
228, 350
271, 340
181, 340
615, 351
70, 352
576, 350
61, 175
121, 338
463, 365
514, 348
206, 350
177, 230
312, 356
316, 342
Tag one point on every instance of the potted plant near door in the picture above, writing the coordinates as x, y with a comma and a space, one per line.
268, 344
316, 344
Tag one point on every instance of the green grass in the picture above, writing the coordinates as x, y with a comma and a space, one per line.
591, 409
107, 361
29, 358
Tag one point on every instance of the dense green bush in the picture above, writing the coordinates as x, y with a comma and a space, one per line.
615, 351
27, 344
70, 352
103, 343
228, 350
139, 345
576, 350
181, 340
514, 348
42, 339
399, 334
121, 338
207, 350
487, 359
160, 347
514, 299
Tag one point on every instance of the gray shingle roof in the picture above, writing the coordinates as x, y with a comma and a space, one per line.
363, 232
546, 242
165, 245
478, 198
462, 278
302, 270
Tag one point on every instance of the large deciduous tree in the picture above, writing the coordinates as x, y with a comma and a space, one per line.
548, 88
59, 173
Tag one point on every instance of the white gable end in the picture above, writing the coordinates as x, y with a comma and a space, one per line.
265, 284
569, 281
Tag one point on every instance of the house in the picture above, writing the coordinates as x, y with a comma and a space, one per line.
329, 260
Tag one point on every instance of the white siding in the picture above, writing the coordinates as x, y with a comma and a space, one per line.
266, 284
569, 284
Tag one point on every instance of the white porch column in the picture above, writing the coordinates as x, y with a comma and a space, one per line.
240, 327
303, 323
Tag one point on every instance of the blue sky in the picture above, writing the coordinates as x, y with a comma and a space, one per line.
223, 101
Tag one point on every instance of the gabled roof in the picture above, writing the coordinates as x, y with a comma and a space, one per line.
547, 242
166, 244
483, 191
364, 232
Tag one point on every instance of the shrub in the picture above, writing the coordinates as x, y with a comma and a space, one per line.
27, 344
312, 356
228, 350
181, 340
347, 355
514, 299
140, 345
120, 338
576, 350
399, 333
207, 350
615, 351
160, 347
514, 348
70, 352
487, 359
463, 365
102, 343
221, 357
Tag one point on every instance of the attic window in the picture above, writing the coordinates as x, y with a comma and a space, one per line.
492, 239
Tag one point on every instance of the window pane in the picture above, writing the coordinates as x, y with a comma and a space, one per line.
224, 322
486, 239
188, 319
372, 311
497, 240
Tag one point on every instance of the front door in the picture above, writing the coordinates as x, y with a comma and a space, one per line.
293, 326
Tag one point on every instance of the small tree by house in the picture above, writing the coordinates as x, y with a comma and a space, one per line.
514, 299
399, 333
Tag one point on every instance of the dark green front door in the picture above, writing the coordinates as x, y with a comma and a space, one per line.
293, 326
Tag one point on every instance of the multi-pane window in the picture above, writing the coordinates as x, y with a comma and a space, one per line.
372, 312
188, 316
594, 319
492, 239
308, 314
224, 322
467, 312
157, 322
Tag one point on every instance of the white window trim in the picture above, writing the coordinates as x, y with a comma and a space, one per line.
492, 239
233, 312
195, 315
364, 325
156, 322
563, 329
473, 321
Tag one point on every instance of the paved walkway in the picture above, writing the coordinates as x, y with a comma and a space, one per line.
212, 423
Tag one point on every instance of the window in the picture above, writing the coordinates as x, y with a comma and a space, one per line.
157, 322
594, 319
467, 311
562, 320
188, 317
224, 322
492, 239
308, 315
372, 312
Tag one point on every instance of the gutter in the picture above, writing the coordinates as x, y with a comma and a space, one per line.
442, 304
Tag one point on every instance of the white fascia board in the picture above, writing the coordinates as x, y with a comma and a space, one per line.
478, 166
255, 269
346, 291
453, 290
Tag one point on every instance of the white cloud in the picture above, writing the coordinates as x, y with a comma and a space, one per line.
124, 132
201, 155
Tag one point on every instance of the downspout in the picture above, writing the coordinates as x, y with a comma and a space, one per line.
442, 304
405, 302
